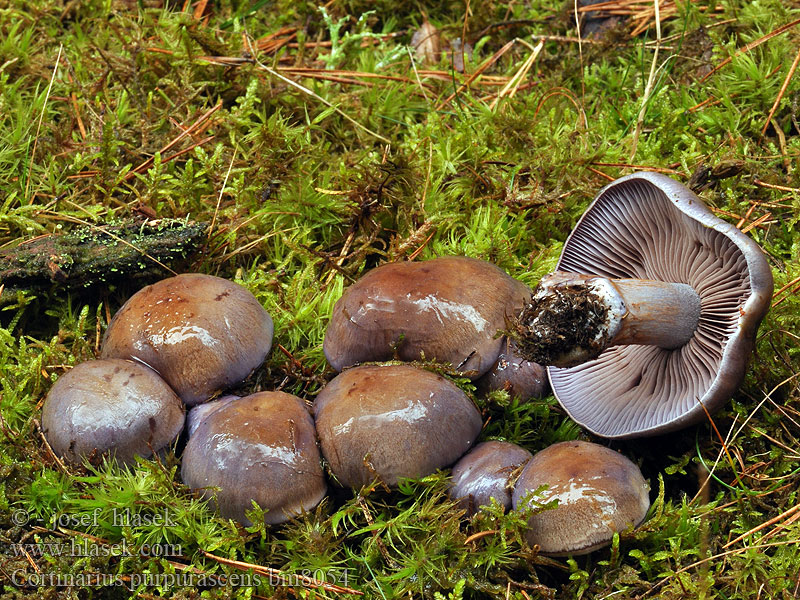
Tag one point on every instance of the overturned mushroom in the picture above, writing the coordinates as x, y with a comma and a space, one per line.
258, 448
392, 421
447, 309
485, 472
656, 301
201, 333
110, 407
599, 492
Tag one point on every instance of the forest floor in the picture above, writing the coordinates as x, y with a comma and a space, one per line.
312, 143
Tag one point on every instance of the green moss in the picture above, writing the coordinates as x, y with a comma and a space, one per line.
302, 202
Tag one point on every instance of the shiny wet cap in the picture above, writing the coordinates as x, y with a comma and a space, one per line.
199, 413
448, 309
110, 407
485, 472
200, 332
391, 422
599, 492
258, 448
521, 378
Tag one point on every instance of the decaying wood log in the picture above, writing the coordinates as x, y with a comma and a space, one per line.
98, 255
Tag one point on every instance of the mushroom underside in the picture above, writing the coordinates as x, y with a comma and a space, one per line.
635, 231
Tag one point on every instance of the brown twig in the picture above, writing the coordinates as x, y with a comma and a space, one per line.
419, 250
750, 46
49, 448
722, 441
599, 172
488, 63
782, 91
39, 125
180, 153
772, 186
666, 580
786, 287
758, 528
188, 131
298, 365
758, 222
479, 535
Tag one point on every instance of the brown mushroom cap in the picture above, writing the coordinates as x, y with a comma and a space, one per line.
258, 448
392, 421
647, 226
115, 407
599, 492
201, 333
199, 413
520, 377
447, 309
484, 473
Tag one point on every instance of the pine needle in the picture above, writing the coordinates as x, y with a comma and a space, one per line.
39, 126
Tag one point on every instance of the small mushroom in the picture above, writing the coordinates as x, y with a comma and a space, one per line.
486, 472
511, 372
651, 318
426, 43
110, 407
201, 333
599, 492
447, 309
258, 448
392, 421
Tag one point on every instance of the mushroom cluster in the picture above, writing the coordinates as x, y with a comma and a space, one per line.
647, 323
179, 342
399, 421
451, 310
203, 334
178, 339
595, 492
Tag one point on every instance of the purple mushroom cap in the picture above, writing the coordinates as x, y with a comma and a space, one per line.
201, 333
647, 226
447, 309
485, 472
391, 422
511, 372
599, 492
258, 448
110, 407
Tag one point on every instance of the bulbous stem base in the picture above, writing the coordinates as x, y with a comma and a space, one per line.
573, 317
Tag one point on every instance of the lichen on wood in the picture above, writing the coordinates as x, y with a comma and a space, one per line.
89, 256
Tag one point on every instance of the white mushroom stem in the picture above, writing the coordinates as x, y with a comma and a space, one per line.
573, 317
